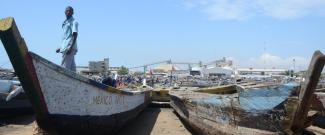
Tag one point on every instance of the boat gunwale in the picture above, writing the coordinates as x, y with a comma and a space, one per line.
81, 78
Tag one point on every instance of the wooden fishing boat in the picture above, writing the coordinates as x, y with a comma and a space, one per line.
229, 89
160, 95
232, 110
65, 102
200, 84
226, 89
249, 111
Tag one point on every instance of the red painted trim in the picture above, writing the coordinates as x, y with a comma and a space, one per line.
32, 74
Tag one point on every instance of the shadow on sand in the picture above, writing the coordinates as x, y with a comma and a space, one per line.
186, 125
143, 124
16, 120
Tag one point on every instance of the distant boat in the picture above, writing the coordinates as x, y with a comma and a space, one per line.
160, 95
198, 83
66, 102
233, 110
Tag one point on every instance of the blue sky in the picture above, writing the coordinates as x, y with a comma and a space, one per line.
133, 33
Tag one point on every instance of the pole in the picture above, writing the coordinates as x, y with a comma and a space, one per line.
171, 77
294, 65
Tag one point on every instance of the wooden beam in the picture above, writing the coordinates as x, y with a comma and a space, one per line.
21, 61
306, 92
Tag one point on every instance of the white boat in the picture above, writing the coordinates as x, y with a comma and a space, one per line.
66, 102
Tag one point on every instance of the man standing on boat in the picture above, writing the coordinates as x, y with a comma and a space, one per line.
69, 40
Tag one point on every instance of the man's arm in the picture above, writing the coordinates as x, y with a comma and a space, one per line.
72, 42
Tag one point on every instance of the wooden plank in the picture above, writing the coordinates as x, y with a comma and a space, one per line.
306, 93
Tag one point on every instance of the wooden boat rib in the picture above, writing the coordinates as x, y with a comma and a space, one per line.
259, 111
64, 101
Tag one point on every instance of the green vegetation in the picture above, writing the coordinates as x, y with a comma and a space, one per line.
123, 71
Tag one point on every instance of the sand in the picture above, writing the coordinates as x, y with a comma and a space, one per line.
153, 121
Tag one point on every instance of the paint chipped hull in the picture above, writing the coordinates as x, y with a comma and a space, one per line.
105, 124
68, 93
74, 102
257, 111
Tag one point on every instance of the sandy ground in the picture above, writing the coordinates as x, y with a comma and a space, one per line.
22, 125
156, 121
153, 121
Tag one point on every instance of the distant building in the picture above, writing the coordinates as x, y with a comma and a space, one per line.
99, 66
82, 70
222, 67
113, 70
218, 71
219, 63
258, 71
165, 68
224, 63
196, 71
94, 67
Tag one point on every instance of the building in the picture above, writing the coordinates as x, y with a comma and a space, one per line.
94, 67
114, 70
218, 71
84, 70
219, 63
222, 67
258, 71
165, 68
99, 66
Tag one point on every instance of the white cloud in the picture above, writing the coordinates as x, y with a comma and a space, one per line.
287, 9
267, 60
244, 9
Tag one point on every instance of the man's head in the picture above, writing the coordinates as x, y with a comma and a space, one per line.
68, 11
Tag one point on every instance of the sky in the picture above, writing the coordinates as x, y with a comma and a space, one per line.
252, 33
